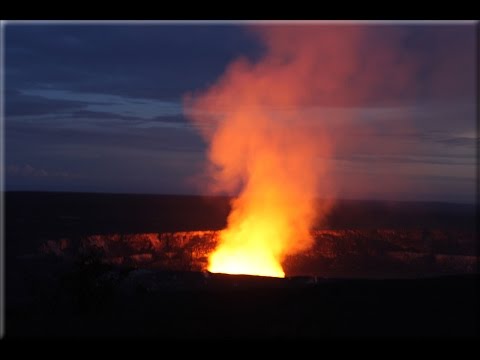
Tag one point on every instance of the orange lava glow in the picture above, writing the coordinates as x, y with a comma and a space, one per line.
262, 146
272, 215
274, 127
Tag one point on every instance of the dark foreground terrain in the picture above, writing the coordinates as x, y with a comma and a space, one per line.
179, 305
134, 265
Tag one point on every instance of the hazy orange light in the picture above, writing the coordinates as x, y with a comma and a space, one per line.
270, 135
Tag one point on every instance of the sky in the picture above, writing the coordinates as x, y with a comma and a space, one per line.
99, 108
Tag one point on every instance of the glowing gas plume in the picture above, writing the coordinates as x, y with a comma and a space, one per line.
268, 142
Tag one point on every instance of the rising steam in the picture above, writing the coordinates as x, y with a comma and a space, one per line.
269, 144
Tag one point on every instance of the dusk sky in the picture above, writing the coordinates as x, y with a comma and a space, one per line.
100, 108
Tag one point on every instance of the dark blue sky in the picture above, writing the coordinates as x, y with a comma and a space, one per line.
99, 108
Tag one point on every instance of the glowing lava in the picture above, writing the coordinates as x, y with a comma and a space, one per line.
270, 218
248, 247
246, 260
267, 145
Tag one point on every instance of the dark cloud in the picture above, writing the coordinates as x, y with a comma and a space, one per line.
98, 115
17, 104
142, 61
160, 61
102, 115
27, 170
178, 119
147, 150
56, 139
459, 141
427, 160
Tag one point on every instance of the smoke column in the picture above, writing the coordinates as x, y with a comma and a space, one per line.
268, 144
